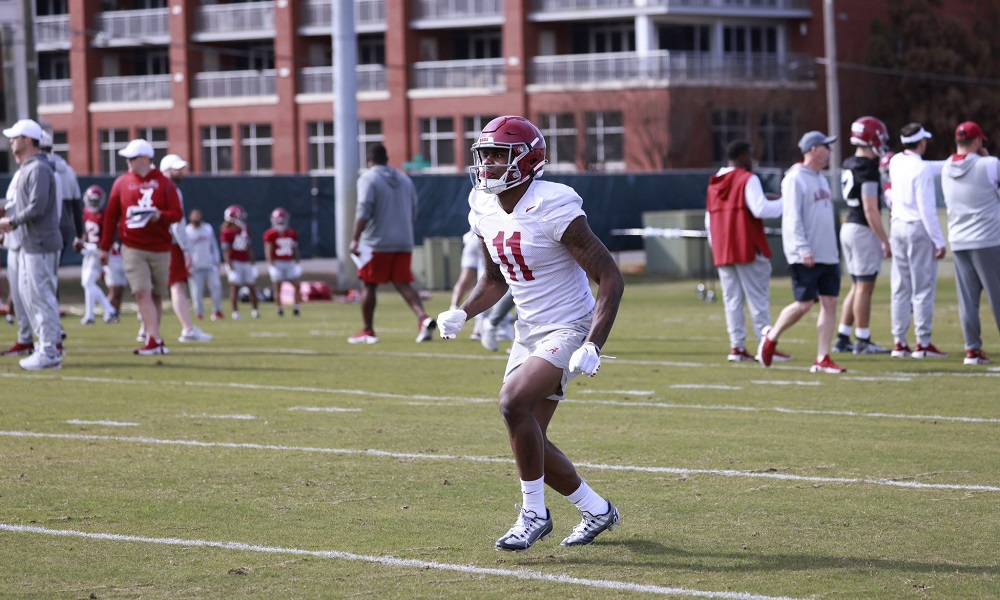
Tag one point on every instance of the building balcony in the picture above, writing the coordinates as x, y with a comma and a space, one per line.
665, 68
317, 17
319, 80
52, 33
236, 21
559, 10
54, 92
143, 89
458, 77
440, 14
118, 28
235, 84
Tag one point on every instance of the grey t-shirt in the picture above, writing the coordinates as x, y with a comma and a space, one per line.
387, 199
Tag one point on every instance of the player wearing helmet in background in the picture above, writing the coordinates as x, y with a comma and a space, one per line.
536, 242
90, 270
862, 237
281, 250
237, 253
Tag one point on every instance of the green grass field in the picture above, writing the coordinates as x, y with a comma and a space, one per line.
279, 462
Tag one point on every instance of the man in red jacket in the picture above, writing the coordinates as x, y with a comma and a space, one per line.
735, 208
142, 205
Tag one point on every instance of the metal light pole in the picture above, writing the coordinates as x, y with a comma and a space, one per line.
345, 115
832, 91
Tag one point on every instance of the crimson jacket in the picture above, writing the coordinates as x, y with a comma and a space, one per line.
130, 190
737, 235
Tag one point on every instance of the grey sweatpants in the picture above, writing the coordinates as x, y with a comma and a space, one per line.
975, 271
25, 335
36, 281
747, 285
198, 281
914, 280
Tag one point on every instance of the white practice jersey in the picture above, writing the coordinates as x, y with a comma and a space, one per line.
548, 285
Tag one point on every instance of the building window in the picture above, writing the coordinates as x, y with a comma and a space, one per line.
322, 144
749, 39
477, 44
437, 141
371, 50
53, 66
727, 125
157, 137
113, 140
60, 144
776, 139
217, 149
257, 145
559, 130
51, 7
688, 38
369, 134
615, 36
473, 126
605, 141
152, 62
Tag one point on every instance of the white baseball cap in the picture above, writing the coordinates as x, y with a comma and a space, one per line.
46, 140
138, 147
172, 161
25, 127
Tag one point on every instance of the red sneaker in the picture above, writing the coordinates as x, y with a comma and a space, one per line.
217, 316
765, 351
740, 355
153, 346
19, 349
976, 357
901, 350
366, 336
928, 351
780, 356
826, 366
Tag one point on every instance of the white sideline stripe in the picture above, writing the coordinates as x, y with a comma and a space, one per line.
236, 417
697, 386
324, 409
268, 334
391, 561
108, 423
780, 382
893, 379
493, 459
625, 392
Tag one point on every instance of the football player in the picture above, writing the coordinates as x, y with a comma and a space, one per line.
281, 250
237, 253
90, 270
536, 242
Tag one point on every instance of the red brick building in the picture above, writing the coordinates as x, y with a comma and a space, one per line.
246, 87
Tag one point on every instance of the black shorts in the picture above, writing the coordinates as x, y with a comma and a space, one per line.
809, 283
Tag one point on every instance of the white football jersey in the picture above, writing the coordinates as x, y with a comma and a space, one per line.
547, 283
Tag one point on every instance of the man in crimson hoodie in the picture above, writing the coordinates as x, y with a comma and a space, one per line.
141, 207
735, 208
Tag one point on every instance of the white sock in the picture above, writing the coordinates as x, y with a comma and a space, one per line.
863, 333
844, 330
586, 499
533, 496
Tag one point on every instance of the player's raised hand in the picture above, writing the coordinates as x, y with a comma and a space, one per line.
586, 360
450, 323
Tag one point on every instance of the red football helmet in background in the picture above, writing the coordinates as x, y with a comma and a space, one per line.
525, 149
279, 218
870, 132
235, 214
93, 198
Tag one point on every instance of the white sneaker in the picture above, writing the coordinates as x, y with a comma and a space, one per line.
426, 331
528, 529
87, 320
591, 526
38, 362
195, 334
488, 336
236, 315
141, 336
255, 314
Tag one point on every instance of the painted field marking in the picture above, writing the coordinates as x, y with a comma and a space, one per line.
391, 561
324, 409
699, 386
780, 382
493, 459
861, 378
622, 392
107, 423
207, 416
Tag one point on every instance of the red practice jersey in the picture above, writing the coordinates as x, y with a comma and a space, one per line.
284, 243
237, 239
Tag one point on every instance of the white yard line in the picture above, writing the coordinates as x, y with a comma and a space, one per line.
207, 416
493, 459
107, 423
324, 409
391, 561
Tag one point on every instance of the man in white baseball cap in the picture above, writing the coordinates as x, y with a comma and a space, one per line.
24, 128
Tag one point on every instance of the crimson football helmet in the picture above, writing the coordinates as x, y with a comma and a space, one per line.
870, 132
93, 198
235, 214
524, 146
279, 219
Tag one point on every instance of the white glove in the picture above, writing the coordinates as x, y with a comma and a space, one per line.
450, 323
586, 360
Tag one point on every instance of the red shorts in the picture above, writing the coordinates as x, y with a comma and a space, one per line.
178, 270
387, 266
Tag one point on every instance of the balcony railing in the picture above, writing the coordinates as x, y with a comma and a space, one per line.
130, 27
234, 84
55, 91
144, 88
52, 31
369, 15
483, 74
236, 20
674, 68
319, 80
457, 9
544, 6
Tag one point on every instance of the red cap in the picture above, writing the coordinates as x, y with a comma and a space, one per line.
969, 131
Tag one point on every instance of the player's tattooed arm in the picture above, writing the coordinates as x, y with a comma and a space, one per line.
489, 289
593, 256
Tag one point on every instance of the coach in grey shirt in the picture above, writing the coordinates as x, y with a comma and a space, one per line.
37, 220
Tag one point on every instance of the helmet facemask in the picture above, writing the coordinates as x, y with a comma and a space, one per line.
482, 174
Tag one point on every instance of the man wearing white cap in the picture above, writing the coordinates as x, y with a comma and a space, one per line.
917, 244
173, 166
36, 221
141, 207
809, 237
